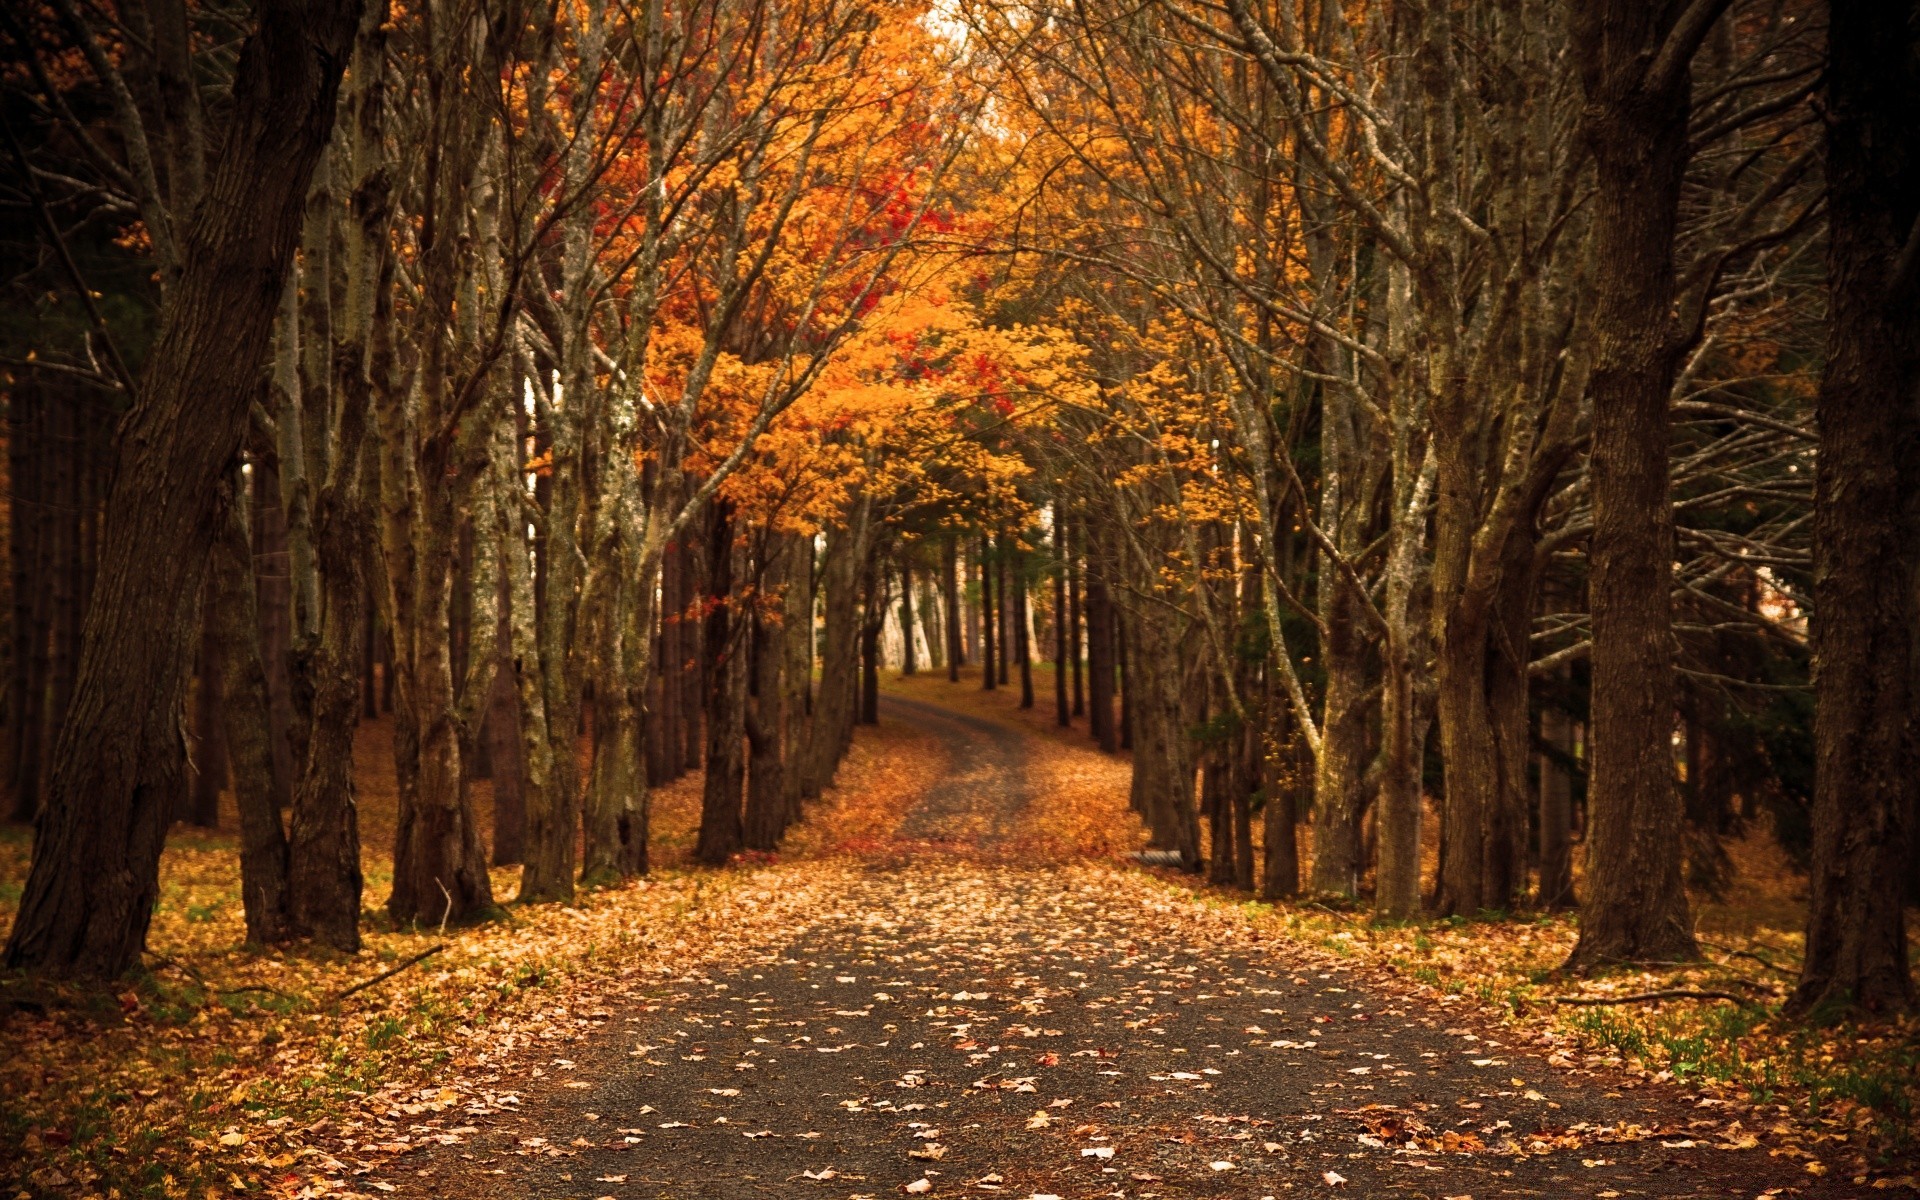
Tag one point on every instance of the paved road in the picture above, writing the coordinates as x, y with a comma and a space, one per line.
959, 1026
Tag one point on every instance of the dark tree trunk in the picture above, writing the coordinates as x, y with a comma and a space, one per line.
1633, 61
1061, 713
726, 646
835, 711
691, 677
1122, 682
665, 742
766, 717
875, 620
1003, 611
233, 627
907, 664
1280, 874
273, 604
1100, 647
369, 661
1074, 640
501, 731
796, 639
27, 513
988, 659
89, 895
1556, 810
208, 765
1867, 520
64, 565
1022, 652
950, 595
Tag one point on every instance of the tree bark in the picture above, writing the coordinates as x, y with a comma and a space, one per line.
27, 515
1022, 652
950, 595
727, 647
874, 620
1556, 811
988, 659
1338, 792
1866, 522
1633, 68
766, 719
265, 886
208, 762
796, 635
90, 892
907, 664
834, 710
1100, 645
1062, 715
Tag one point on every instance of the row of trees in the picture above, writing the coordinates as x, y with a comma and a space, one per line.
1503, 412
546, 342
1457, 366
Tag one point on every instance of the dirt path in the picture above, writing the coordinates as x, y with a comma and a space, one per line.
958, 1026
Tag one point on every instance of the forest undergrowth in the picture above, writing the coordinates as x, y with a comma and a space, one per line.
219, 1070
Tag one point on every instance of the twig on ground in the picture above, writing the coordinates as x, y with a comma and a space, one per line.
383, 976
183, 968
1640, 997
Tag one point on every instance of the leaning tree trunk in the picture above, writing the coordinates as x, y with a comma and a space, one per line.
117, 765
834, 710
1865, 527
1634, 73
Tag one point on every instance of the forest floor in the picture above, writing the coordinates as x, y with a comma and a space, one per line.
951, 983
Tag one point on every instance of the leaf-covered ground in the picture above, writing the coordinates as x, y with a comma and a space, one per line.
951, 984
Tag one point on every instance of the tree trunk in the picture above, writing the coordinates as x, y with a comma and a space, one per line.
692, 675
26, 511
1556, 811
796, 635
950, 595
1022, 652
1074, 640
1338, 790
1633, 68
766, 718
1062, 714
90, 892
727, 647
503, 748
208, 763
265, 886
835, 710
1280, 874
907, 664
1163, 759
1866, 527
988, 659
875, 618
1100, 645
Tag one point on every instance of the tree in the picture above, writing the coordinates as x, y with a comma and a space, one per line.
119, 763
1635, 63
1867, 519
